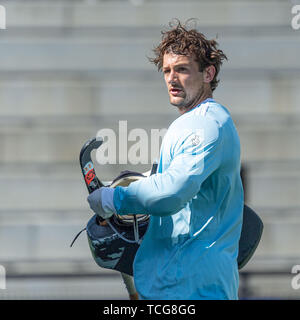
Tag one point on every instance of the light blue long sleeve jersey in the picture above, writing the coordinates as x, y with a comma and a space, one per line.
196, 202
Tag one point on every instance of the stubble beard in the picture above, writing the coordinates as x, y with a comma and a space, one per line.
188, 103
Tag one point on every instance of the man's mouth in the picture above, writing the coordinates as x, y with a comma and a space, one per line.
175, 91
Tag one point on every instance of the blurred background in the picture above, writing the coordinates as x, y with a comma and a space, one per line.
70, 68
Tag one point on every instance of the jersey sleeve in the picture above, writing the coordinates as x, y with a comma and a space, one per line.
195, 153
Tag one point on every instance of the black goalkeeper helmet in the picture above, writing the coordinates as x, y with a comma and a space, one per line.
114, 241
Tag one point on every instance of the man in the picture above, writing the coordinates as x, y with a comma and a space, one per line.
195, 201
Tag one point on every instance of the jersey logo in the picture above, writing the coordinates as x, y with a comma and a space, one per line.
195, 140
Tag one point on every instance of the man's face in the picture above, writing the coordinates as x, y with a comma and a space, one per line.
184, 81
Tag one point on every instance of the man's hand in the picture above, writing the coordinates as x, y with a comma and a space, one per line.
101, 202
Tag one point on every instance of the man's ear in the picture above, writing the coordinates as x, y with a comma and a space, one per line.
209, 74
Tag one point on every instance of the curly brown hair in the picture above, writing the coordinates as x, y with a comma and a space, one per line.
189, 42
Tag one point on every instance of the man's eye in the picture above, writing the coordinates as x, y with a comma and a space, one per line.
166, 71
182, 69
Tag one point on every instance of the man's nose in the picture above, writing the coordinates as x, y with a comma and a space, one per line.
172, 77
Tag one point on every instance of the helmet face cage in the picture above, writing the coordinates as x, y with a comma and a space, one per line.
133, 221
